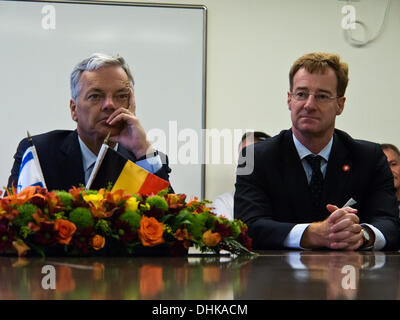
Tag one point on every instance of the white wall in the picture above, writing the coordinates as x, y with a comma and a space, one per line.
251, 46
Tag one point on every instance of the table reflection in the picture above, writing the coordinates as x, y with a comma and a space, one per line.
283, 275
121, 278
332, 275
339, 270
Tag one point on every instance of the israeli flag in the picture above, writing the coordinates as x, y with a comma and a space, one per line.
30, 173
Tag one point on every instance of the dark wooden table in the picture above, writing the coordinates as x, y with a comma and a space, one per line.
287, 275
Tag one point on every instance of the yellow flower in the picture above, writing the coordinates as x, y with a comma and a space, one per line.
132, 203
168, 229
145, 207
173, 198
95, 199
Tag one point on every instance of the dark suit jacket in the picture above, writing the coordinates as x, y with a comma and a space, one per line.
275, 196
61, 159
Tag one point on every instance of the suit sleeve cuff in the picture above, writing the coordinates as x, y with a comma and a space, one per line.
294, 237
380, 240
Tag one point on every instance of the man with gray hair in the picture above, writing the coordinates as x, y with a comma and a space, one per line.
102, 101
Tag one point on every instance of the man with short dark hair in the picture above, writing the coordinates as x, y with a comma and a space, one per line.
102, 101
392, 154
313, 186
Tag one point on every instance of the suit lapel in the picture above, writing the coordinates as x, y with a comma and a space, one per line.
295, 181
71, 157
338, 174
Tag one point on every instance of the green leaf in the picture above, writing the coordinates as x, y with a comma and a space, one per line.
36, 248
165, 218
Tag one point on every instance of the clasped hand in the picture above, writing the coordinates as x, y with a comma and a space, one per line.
344, 230
341, 230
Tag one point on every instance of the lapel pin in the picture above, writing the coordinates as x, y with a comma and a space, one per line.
346, 168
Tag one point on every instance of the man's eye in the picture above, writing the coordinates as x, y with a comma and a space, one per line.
94, 96
300, 94
123, 96
321, 97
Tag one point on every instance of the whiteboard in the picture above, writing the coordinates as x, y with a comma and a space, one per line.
164, 45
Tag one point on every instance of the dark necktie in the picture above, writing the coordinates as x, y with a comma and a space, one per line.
89, 171
317, 179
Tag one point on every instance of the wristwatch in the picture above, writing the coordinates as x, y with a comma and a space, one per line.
149, 155
368, 239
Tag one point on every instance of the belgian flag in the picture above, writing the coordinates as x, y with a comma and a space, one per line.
112, 167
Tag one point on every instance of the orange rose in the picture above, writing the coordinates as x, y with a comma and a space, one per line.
211, 239
150, 231
65, 230
98, 242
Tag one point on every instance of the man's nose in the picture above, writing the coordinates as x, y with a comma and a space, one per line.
109, 103
310, 102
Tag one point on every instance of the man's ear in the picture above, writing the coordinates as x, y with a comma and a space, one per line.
340, 105
72, 107
289, 99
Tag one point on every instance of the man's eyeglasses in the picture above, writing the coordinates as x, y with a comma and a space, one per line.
319, 97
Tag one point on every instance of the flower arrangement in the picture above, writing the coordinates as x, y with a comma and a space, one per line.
95, 222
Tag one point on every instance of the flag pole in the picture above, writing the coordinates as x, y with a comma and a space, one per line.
29, 137
107, 138
99, 160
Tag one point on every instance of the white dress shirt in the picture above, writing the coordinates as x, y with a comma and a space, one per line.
223, 205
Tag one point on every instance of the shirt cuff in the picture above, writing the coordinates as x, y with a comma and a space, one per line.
152, 164
380, 240
294, 237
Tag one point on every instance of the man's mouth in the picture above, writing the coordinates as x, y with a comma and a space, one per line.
308, 118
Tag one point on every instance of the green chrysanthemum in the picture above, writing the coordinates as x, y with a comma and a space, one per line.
25, 213
82, 218
158, 202
66, 198
103, 227
132, 218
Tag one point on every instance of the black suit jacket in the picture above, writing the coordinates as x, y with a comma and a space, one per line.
61, 159
275, 196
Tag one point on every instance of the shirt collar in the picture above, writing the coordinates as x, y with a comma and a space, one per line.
303, 151
88, 157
